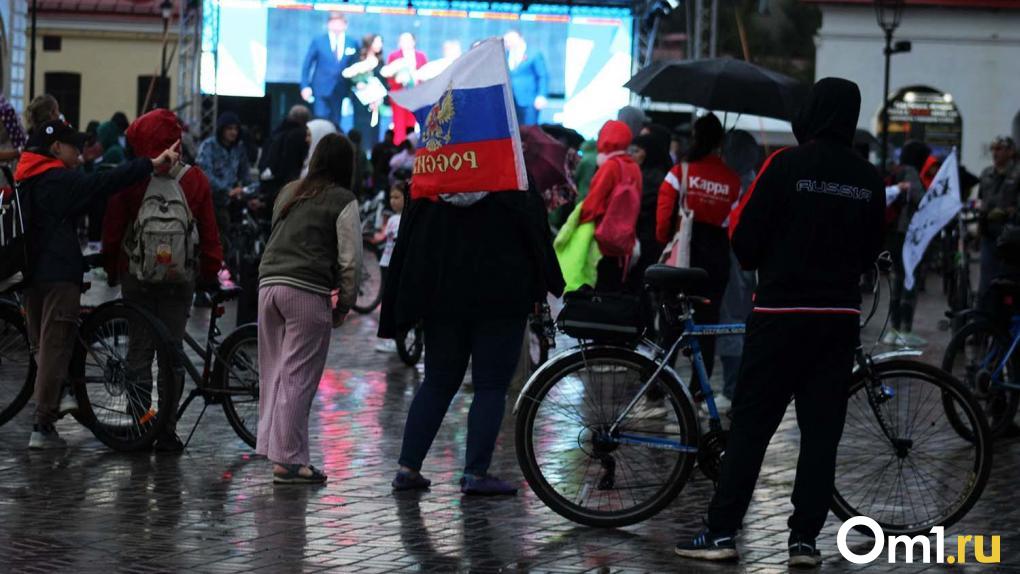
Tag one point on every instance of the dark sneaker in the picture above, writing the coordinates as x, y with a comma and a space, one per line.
486, 485
708, 545
803, 553
45, 437
169, 444
410, 481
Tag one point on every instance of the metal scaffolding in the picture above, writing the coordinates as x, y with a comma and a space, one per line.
197, 109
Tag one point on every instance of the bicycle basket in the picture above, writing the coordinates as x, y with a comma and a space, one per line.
601, 316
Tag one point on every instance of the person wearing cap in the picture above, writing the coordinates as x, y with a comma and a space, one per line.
998, 190
59, 194
322, 81
226, 165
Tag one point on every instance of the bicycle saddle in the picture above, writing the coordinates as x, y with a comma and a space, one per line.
675, 279
225, 294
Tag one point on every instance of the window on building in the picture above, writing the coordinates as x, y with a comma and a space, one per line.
66, 87
51, 43
160, 97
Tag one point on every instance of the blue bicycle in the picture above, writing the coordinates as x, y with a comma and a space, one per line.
607, 433
983, 354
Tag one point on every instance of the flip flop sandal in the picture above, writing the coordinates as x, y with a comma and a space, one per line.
293, 475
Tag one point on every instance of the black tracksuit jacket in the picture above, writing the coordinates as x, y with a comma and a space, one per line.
813, 220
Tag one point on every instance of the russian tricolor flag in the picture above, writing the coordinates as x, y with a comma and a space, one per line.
470, 140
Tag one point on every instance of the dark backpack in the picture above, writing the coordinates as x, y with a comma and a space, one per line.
15, 214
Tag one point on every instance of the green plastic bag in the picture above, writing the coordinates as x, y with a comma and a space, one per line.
577, 251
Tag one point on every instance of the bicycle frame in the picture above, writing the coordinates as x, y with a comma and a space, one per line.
997, 381
689, 340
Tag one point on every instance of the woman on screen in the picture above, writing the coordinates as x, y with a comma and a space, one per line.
402, 70
369, 89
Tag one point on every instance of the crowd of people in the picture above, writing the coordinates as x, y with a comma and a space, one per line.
638, 184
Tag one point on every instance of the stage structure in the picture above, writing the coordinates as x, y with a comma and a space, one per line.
241, 47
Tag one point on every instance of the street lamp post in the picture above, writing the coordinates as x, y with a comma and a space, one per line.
888, 14
166, 10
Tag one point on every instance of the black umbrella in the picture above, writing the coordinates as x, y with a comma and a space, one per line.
721, 84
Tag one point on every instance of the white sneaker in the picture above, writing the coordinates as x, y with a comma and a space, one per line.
912, 340
386, 346
68, 405
894, 339
45, 439
722, 404
649, 409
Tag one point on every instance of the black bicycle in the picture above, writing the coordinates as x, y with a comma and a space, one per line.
599, 450
369, 278
17, 366
126, 375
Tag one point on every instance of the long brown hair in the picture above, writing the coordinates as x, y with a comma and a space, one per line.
366, 45
332, 164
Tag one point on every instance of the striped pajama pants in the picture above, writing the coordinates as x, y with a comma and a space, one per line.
294, 331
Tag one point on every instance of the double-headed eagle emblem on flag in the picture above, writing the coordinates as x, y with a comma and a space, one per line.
439, 124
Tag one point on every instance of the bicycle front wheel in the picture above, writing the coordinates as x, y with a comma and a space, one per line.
411, 345
901, 461
123, 376
238, 378
977, 356
17, 367
370, 280
583, 468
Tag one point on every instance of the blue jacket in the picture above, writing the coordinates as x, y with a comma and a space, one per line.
226, 168
321, 68
529, 80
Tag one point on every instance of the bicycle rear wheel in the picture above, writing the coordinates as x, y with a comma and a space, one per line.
901, 461
579, 467
17, 367
123, 376
238, 378
411, 345
974, 356
370, 280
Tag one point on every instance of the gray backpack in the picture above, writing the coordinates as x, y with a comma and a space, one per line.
162, 245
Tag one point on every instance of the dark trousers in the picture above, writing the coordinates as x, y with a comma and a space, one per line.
527, 115
493, 346
171, 305
51, 313
710, 250
363, 123
328, 107
609, 276
901, 300
816, 373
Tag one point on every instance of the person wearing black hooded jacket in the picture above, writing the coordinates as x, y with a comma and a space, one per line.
469, 268
809, 225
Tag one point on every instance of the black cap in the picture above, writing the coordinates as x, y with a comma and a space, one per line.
56, 131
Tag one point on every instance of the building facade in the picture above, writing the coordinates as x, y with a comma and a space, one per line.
967, 49
98, 57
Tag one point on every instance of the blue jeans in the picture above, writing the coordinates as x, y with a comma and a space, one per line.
493, 346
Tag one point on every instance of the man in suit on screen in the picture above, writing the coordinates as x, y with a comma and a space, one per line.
322, 84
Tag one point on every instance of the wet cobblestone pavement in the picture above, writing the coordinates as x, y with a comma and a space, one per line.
215, 509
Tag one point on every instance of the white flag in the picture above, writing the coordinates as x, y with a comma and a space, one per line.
937, 208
